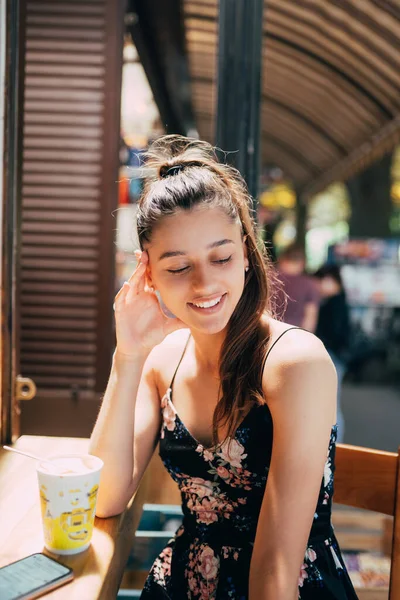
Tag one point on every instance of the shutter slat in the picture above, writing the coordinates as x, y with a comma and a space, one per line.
60, 276
87, 96
63, 107
38, 300
65, 89
85, 120
48, 334
67, 58
60, 324
50, 130
57, 215
89, 71
58, 368
80, 22
61, 194
61, 348
54, 203
79, 180
64, 383
67, 82
65, 46
83, 229
67, 264
39, 251
74, 8
35, 239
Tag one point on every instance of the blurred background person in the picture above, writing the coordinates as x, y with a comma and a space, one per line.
301, 290
333, 326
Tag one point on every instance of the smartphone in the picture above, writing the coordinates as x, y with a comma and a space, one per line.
164, 309
32, 577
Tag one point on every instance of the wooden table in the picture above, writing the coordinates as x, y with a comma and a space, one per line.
99, 569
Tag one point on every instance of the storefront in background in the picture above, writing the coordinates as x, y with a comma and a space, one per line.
370, 269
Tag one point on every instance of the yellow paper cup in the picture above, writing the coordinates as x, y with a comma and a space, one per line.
68, 501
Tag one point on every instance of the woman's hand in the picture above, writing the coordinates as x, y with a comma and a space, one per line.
140, 323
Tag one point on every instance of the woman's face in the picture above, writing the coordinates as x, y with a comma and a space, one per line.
197, 263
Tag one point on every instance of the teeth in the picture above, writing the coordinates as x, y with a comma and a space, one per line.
208, 304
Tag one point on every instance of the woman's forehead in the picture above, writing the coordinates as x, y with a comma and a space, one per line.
196, 227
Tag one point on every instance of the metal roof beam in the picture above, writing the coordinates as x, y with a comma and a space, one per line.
370, 151
239, 85
157, 30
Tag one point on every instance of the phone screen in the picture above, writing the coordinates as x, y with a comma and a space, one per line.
25, 578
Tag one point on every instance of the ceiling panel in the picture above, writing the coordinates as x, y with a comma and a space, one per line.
330, 82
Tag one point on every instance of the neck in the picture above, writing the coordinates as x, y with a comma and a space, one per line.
207, 350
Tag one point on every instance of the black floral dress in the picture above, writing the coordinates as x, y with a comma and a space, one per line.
222, 491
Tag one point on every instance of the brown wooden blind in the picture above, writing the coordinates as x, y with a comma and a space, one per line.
69, 190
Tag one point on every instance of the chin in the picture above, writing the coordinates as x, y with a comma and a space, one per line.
213, 327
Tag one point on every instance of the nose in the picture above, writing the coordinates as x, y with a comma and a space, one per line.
202, 280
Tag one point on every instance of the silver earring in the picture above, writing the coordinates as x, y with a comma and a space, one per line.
246, 269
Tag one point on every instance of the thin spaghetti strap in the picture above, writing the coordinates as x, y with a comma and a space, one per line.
276, 341
180, 360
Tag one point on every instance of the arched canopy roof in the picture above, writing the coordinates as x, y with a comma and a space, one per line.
330, 88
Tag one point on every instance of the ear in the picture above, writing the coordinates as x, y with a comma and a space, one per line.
245, 252
149, 278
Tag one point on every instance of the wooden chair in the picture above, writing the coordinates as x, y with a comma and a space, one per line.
370, 479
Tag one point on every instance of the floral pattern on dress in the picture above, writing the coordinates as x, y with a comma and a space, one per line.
202, 572
205, 499
222, 490
162, 566
168, 414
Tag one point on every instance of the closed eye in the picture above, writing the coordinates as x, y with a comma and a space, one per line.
222, 261
178, 270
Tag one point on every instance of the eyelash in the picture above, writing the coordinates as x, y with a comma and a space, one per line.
219, 262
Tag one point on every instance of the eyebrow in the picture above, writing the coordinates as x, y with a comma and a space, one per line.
209, 247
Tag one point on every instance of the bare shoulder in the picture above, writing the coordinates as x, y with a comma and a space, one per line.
299, 380
164, 357
295, 355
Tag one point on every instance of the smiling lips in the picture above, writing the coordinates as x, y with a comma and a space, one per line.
208, 305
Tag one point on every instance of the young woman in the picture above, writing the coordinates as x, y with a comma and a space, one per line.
243, 405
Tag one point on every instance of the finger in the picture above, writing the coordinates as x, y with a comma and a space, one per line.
138, 277
141, 286
137, 273
121, 296
142, 258
121, 291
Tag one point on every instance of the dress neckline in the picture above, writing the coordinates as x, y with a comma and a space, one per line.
195, 441
215, 448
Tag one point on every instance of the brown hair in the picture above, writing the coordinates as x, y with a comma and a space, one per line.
187, 174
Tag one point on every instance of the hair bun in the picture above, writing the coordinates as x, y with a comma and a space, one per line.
168, 170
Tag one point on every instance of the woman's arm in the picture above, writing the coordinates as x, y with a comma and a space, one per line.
126, 430
127, 427
299, 383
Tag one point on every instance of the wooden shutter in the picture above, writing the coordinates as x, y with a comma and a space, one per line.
73, 62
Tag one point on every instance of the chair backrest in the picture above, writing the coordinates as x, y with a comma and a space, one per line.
370, 479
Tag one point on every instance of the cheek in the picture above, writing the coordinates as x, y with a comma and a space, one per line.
172, 287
